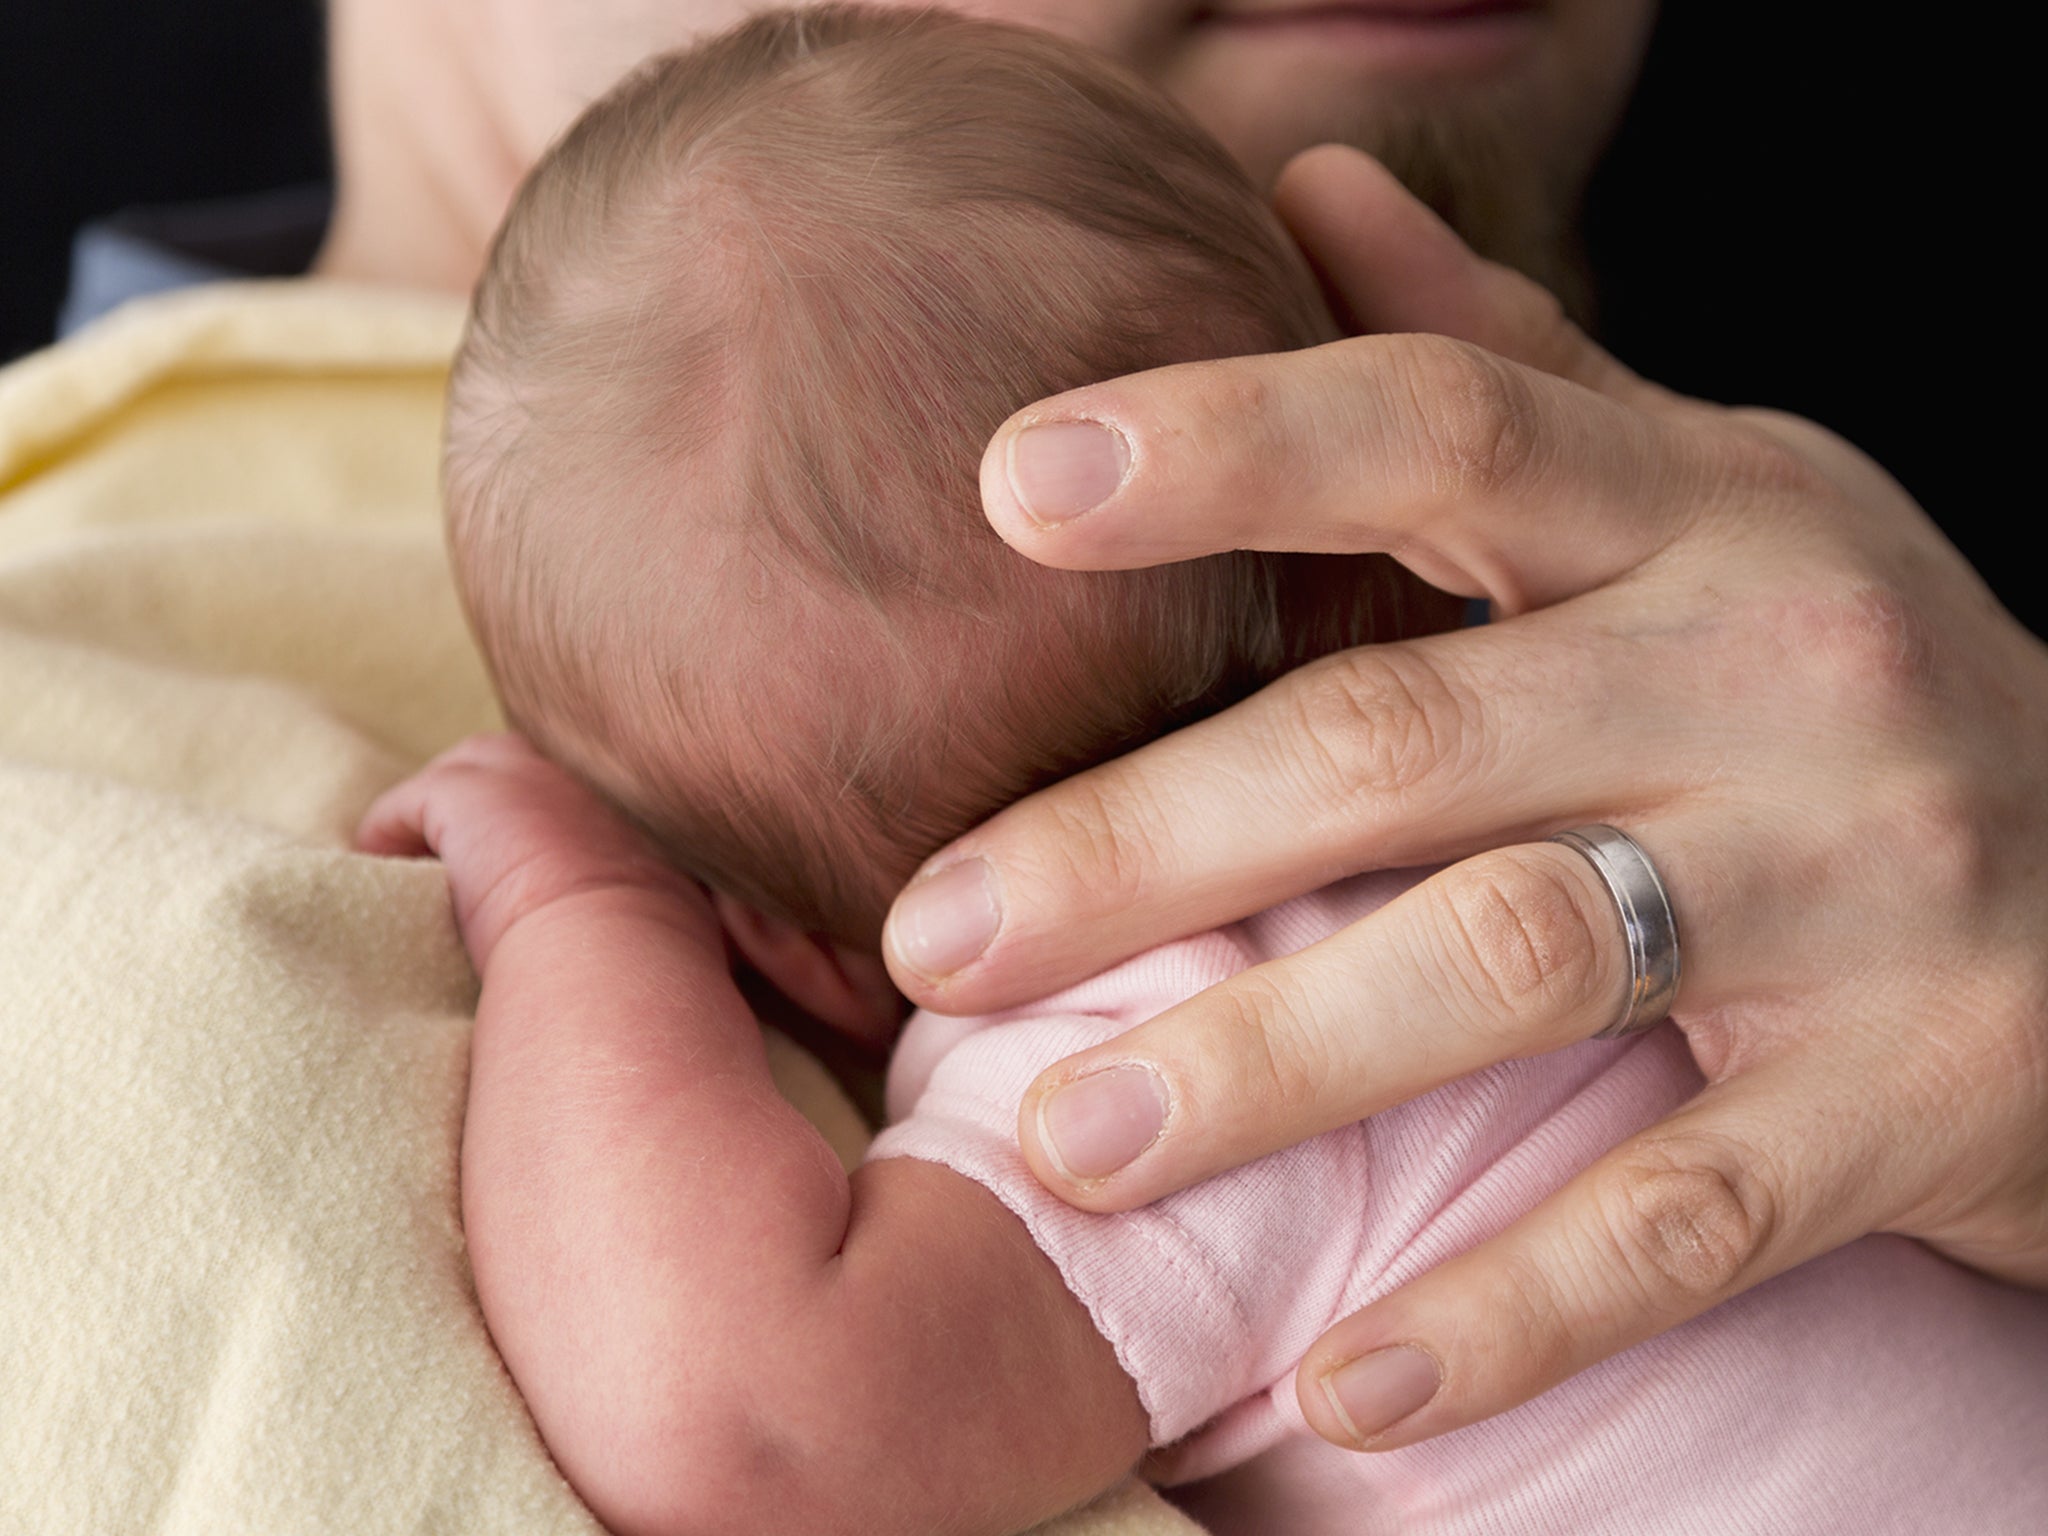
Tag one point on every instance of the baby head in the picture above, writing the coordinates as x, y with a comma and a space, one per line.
716, 425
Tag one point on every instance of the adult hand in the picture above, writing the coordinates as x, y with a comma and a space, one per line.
1726, 631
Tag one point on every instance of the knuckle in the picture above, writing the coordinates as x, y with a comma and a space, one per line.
1865, 647
1768, 456
1690, 1215
1523, 934
1478, 412
1377, 722
1232, 391
1274, 1065
1102, 841
1539, 316
1934, 828
1535, 1312
1236, 401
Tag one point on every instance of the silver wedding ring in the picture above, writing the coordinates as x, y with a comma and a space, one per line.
1646, 923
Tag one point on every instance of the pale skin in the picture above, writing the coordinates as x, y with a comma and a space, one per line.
714, 1327
1727, 632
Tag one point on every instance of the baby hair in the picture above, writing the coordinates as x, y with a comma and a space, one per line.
715, 428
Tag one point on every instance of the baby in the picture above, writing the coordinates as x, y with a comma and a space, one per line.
711, 475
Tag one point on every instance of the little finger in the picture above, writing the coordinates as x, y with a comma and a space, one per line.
1715, 1199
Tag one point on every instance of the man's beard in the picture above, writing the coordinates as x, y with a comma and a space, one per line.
1488, 183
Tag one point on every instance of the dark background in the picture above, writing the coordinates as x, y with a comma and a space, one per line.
1791, 217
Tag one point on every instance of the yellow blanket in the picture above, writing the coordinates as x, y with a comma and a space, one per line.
233, 1293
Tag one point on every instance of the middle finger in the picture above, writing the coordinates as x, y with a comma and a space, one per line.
1510, 953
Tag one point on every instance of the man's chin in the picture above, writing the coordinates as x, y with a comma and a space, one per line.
1484, 180
1478, 168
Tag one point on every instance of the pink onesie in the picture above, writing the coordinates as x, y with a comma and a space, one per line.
1880, 1389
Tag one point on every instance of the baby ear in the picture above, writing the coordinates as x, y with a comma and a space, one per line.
838, 985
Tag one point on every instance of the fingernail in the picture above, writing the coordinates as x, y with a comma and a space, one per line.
1063, 468
1098, 1123
943, 921
1375, 1392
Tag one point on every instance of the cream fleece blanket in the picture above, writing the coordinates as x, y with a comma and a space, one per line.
233, 1293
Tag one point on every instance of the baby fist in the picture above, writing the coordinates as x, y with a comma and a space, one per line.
515, 833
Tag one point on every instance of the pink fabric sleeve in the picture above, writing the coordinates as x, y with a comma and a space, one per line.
1211, 1296
1878, 1390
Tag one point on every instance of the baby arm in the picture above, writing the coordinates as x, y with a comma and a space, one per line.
714, 1328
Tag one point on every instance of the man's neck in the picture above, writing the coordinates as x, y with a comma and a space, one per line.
423, 173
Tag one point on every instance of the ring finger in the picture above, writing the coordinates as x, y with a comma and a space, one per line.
1507, 954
